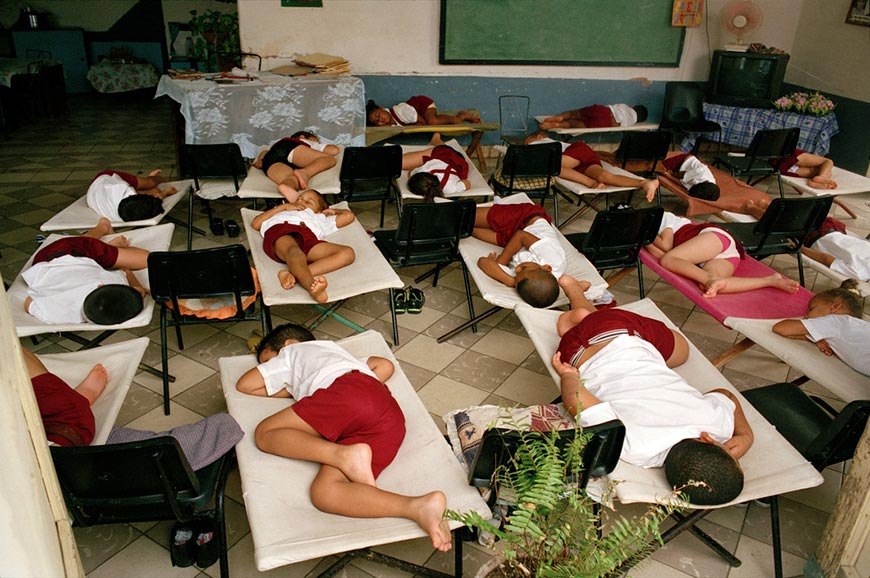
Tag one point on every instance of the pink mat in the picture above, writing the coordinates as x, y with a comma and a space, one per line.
767, 303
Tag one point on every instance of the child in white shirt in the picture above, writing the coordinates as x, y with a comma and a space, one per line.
597, 116
436, 171
121, 196
292, 161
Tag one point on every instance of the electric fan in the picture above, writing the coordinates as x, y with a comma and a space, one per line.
739, 19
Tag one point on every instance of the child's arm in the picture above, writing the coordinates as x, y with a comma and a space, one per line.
262, 217
791, 328
133, 282
520, 240
382, 367
258, 162
490, 263
343, 217
331, 149
574, 395
252, 383
742, 438
490, 266
431, 116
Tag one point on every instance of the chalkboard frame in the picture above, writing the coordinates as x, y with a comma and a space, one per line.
443, 59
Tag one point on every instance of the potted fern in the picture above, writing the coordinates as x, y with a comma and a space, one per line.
216, 33
553, 530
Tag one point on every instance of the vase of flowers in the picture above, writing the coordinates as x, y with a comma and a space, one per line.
805, 103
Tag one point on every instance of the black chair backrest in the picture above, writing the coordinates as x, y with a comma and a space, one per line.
772, 144
144, 480
683, 102
838, 441
366, 167
651, 146
532, 161
599, 456
208, 161
793, 217
621, 234
214, 272
237, 59
434, 227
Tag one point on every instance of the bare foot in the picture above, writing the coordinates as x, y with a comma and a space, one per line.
567, 282
600, 186
436, 139
154, 173
302, 178
784, 284
288, 192
356, 463
93, 385
102, 228
713, 286
120, 241
429, 515
287, 280
547, 124
821, 183
168, 191
650, 186
747, 207
318, 289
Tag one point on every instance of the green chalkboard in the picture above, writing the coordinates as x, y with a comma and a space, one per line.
560, 32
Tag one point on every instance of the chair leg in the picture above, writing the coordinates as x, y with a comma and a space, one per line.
774, 529
468, 297
555, 208
266, 318
801, 269
178, 337
779, 182
164, 360
640, 278
383, 208
393, 315
190, 196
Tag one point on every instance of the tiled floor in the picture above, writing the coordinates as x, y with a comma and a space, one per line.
48, 163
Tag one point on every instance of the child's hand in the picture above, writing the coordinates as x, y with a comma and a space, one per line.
599, 185
563, 368
329, 212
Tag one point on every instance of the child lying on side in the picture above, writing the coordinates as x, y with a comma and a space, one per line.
416, 110
120, 196
436, 170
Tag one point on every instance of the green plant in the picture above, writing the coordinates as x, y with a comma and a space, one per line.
552, 530
215, 32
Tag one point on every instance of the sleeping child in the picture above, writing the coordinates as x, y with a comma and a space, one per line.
416, 110
817, 170
292, 161
120, 196
694, 175
293, 233
436, 171
597, 116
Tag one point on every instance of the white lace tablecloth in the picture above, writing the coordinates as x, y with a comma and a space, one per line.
259, 112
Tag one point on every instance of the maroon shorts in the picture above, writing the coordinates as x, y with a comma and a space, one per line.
357, 408
673, 163
300, 233
596, 116
131, 180
455, 161
66, 414
581, 152
420, 103
104, 254
506, 219
787, 163
606, 324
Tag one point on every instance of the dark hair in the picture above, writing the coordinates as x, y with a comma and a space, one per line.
706, 190
707, 474
303, 134
370, 108
322, 204
112, 304
139, 207
847, 294
539, 289
426, 185
642, 112
275, 339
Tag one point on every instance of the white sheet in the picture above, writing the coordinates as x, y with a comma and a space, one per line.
285, 526
771, 466
78, 215
494, 292
848, 183
121, 361
579, 131
830, 372
258, 186
155, 238
369, 272
579, 189
478, 184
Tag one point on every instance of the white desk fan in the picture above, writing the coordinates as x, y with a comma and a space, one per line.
739, 19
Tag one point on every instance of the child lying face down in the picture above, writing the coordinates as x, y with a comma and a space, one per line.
293, 233
581, 165
533, 258
597, 116
121, 196
436, 171
416, 110
708, 255
80, 279
292, 161
344, 418
615, 364
834, 323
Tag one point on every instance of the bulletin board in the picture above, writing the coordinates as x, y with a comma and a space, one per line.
560, 32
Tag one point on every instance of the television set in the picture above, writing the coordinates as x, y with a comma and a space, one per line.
746, 78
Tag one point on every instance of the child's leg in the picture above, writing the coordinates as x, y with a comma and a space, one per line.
482, 229
287, 249
649, 186
580, 306
132, 258
721, 280
755, 210
683, 259
288, 184
825, 259
310, 163
414, 159
148, 185
569, 172
101, 229
817, 170
327, 257
90, 387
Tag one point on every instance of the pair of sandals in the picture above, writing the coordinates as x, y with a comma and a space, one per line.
409, 300
194, 542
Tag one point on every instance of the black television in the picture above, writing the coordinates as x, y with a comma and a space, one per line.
746, 78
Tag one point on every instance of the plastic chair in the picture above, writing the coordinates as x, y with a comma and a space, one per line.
370, 173
530, 169
141, 482
783, 228
763, 157
615, 239
206, 273
645, 146
428, 234
823, 436
223, 162
684, 113
237, 59
513, 118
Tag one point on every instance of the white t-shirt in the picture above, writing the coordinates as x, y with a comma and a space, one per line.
105, 193
673, 222
695, 172
59, 287
303, 368
851, 254
319, 224
547, 250
656, 405
546, 140
848, 336
623, 114
406, 113
454, 183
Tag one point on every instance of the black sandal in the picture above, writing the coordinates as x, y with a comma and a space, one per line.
416, 299
400, 300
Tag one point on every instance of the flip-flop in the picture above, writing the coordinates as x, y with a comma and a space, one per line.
400, 301
415, 300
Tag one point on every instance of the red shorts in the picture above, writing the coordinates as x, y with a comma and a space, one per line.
606, 324
420, 103
66, 414
581, 152
596, 116
787, 163
300, 233
506, 219
131, 180
673, 163
104, 254
456, 163
357, 408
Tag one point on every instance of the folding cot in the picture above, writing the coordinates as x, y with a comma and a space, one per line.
478, 188
733, 193
369, 272
501, 296
848, 183
78, 215
581, 190
286, 527
258, 186
574, 132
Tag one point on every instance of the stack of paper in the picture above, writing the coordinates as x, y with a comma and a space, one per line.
324, 63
